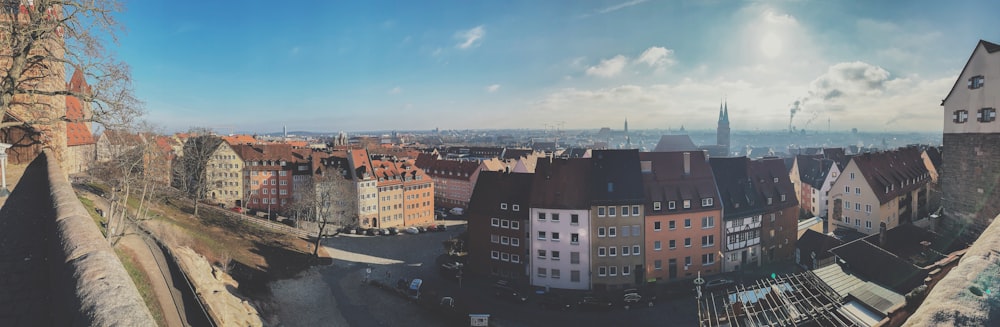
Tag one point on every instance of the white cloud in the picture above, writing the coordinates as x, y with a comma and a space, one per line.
608, 67
470, 38
493, 88
614, 8
396, 90
657, 57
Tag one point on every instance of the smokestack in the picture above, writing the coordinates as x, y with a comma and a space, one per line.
687, 163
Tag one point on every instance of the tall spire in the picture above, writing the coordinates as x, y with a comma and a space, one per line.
720, 112
725, 116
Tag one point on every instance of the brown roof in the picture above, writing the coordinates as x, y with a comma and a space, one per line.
451, 169
892, 173
77, 132
265, 152
764, 173
561, 184
239, 139
669, 143
667, 182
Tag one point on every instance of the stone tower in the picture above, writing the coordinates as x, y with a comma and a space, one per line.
722, 132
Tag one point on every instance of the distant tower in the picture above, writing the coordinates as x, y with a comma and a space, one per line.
628, 140
284, 131
722, 133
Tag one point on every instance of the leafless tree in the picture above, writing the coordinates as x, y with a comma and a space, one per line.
39, 41
190, 171
332, 201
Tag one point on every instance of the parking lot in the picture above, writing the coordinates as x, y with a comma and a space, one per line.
416, 256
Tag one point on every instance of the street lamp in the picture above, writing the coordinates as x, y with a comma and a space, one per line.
3, 169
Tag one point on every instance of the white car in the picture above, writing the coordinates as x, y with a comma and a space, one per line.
412, 230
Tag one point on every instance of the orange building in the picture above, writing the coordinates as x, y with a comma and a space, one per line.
683, 215
267, 176
405, 194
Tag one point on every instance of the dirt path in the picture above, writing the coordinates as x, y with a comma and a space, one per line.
156, 270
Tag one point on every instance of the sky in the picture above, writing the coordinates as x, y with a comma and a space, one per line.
328, 66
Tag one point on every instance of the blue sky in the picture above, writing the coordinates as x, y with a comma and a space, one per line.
381, 65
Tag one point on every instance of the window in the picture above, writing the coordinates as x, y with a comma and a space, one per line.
857, 190
574, 257
612, 251
868, 208
514, 224
857, 222
503, 206
555, 255
602, 271
626, 270
555, 273
976, 82
602, 251
868, 224
635, 250
613, 271
986, 115
541, 235
505, 223
516, 207
574, 219
658, 264
625, 231
673, 244
687, 204
672, 225
600, 231
541, 254
611, 211
574, 238
611, 187
707, 240
707, 202
847, 205
494, 238
671, 205
857, 207
515, 258
635, 230
555, 236
541, 272
495, 254
635, 210
772, 217
769, 200
707, 222
514, 241
687, 222
504, 256
656, 226
852, 178
574, 275
656, 205
687, 242
626, 251
612, 232
624, 211
555, 217
504, 240
656, 245
600, 211
541, 216
783, 197
708, 258
687, 260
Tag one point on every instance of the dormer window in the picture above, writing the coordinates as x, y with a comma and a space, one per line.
976, 82
960, 116
672, 205
687, 204
503, 206
656, 205
707, 202
986, 115
775, 179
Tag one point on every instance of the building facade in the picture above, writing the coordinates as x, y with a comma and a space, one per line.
970, 182
779, 220
683, 216
884, 187
742, 211
617, 211
224, 174
559, 222
498, 221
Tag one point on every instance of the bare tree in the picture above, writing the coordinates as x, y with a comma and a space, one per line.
39, 41
190, 172
334, 201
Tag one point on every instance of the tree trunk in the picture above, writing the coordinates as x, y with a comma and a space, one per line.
319, 237
197, 195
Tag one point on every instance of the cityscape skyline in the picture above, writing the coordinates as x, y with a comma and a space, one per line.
402, 66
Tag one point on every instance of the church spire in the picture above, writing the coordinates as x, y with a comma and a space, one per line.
725, 116
720, 113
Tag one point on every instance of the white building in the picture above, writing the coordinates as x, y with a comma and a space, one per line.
559, 248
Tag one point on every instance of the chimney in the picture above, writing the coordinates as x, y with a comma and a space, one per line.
687, 163
881, 235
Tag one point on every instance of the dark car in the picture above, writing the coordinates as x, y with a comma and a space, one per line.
595, 303
504, 289
451, 270
393, 230
553, 301
383, 232
422, 229
371, 232
441, 228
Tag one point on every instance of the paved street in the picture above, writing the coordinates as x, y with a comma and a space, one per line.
414, 256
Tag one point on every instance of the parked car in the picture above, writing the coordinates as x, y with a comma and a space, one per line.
432, 228
422, 229
412, 230
718, 284
359, 231
457, 211
504, 289
451, 270
442, 228
554, 301
383, 232
631, 296
393, 231
595, 303
371, 232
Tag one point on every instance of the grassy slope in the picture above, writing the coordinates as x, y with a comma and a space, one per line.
142, 283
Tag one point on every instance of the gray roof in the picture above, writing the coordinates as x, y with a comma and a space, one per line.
673, 143
869, 293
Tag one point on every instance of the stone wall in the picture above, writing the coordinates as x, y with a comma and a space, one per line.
970, 183
58, 269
